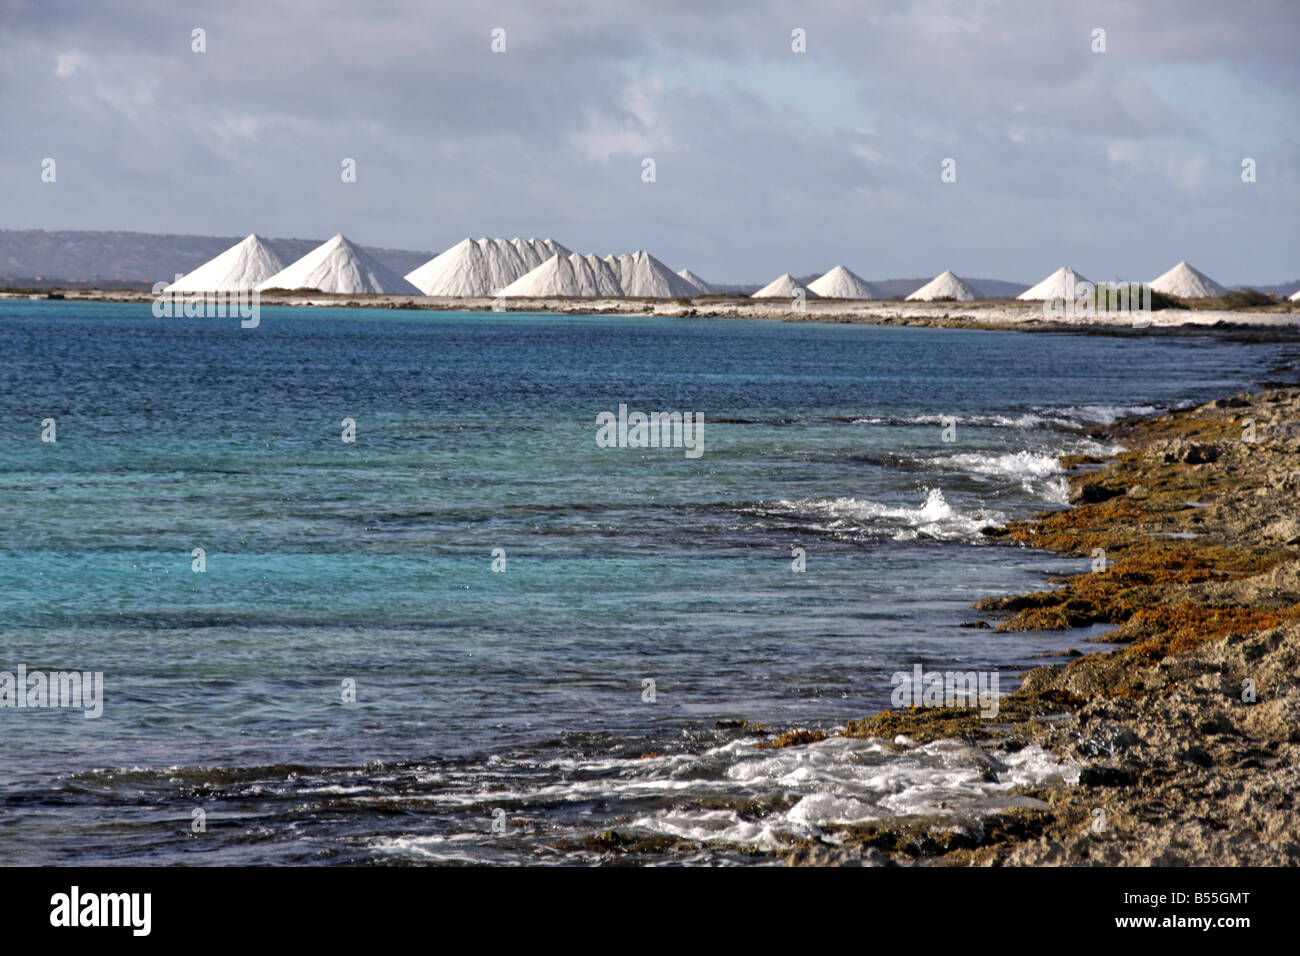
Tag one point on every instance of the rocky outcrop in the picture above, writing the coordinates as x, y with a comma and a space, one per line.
1189, 735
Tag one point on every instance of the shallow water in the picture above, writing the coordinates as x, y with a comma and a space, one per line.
522, 690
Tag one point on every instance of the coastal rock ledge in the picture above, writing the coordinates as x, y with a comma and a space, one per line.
1188, 735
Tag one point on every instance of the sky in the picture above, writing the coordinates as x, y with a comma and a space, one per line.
767, 160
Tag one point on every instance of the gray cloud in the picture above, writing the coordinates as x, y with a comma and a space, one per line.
768, 161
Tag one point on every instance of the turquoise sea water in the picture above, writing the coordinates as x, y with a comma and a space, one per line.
520, 691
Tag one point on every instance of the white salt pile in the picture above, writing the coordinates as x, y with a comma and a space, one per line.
701, 287
782, 287
1061, 284
643, 276
840, 283
338, 266
1294, 296
1187, 283
944, 286
571, 275
481, 267
240, 268
636, 274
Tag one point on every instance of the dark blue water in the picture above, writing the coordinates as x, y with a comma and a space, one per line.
372, 561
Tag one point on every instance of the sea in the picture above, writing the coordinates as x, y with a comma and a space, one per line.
365, 587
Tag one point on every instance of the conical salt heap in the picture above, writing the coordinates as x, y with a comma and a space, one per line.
240, 268
1059, 285
782, 287
482, 267
701, 287
944, 286
1184, 282
339, 266
643, 276
571, 275
840, 283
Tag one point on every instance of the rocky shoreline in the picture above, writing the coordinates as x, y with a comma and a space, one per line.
1188, 736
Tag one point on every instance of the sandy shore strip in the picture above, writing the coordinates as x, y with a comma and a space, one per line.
1187, 738
1283, 316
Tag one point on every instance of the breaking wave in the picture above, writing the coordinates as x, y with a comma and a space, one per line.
846, 781
1026, 420
935, 518
1100, 414
1041, 416
1037, 473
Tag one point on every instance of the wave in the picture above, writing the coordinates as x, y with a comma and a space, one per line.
1041, 416
1016, 464
935, 518
835, 782
729, 792
844, 781
1084, 415
1039, 474
1026, 420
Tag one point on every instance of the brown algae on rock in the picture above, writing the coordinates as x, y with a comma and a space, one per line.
1190, 734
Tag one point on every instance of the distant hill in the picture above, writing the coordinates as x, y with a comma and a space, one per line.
142, 257
736, 288
1284, 290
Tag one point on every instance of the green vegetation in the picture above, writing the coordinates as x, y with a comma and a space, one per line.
1121, 297
1246, 299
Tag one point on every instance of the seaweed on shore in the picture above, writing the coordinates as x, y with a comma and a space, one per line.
1195, 539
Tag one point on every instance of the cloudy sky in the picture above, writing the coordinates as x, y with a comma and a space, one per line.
767, 160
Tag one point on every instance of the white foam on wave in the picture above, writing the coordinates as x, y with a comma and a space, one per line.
1056, 490
1088, 446
1039, 473
1025, 420
460, 848
1014, 464
846, 781
834, 782
935, 518
1099, 414
1042, 416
